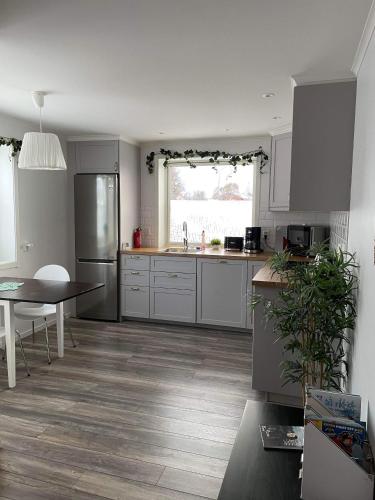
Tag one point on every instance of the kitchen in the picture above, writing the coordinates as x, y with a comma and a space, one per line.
164, 362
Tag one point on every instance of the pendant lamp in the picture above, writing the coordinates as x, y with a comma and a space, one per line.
41, 151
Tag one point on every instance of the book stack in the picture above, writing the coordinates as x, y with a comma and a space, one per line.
336, 448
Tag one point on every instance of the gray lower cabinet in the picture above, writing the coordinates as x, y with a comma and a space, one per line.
173, 264
172, 304
221, 292
267, 353
252, 269
135, 301
135, 285
173, 289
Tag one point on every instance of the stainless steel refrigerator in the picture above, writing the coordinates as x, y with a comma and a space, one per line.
96, 202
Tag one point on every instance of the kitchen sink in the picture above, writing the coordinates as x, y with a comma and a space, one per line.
181, 250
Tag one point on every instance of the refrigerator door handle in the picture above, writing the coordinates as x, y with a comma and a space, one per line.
96, 262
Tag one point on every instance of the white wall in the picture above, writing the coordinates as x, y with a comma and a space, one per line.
130, 191
42, 204
362, 232
149, 201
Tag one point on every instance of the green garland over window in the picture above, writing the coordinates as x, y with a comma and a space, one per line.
11, 141
213, 157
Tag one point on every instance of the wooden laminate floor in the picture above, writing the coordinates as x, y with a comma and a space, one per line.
137, 411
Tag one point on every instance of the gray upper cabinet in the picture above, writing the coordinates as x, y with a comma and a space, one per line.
281, 157
95, 157
221, 292
322, 146
311, 168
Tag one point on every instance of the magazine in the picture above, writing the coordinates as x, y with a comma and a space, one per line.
282, 437
345, 433
334, 403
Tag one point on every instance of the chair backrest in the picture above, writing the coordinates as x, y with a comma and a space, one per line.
52, 272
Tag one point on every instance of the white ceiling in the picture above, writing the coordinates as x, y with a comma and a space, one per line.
188, 68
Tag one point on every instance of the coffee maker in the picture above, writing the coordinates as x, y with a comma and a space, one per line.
252, 240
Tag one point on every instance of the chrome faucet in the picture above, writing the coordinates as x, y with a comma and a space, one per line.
186, 243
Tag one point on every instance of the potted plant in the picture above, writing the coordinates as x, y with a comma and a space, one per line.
312, 316
215, 244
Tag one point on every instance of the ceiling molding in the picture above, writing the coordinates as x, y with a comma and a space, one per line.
298, 80
101, 137
92, 137
364, 42
283, 129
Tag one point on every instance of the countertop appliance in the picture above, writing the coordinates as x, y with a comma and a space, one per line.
252, 239
301, 238
233, 243
96, 201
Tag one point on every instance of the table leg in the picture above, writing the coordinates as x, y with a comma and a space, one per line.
10, 340
60, 329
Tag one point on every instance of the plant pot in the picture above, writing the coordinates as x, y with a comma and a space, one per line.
215, 247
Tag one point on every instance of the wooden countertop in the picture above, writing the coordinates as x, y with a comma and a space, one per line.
208, 253
268, 278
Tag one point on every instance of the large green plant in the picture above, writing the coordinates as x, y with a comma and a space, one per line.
312, 316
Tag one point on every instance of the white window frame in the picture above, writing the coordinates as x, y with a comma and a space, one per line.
256, 197
15, 263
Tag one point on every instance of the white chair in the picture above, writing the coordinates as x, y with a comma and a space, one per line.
2, 336
33, 311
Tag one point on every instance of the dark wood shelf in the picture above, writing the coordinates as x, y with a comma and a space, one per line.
257, 474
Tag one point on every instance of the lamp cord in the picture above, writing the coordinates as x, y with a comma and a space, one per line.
40, 120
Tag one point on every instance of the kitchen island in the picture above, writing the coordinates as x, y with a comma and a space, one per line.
267, 350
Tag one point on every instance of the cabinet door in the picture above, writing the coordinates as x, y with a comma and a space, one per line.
135, 301
252, 269
137, 262
180, 281
171, 304
95, 157
280, 172
221, 292
173, 264
135, 278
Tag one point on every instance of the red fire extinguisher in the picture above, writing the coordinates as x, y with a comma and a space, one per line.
137, 237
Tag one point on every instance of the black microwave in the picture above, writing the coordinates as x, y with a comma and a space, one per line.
233, 243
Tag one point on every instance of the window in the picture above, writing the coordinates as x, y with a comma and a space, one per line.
8, 230
220, 202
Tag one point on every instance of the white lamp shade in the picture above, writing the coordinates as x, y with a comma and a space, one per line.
41, 151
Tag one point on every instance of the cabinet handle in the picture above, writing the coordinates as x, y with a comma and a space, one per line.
135, 289
135, 257
223, 262
172, 275
135, 272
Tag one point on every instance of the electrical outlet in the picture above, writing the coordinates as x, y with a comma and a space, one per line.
266, 234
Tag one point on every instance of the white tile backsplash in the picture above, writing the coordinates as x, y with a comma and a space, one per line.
339, 222
270, 220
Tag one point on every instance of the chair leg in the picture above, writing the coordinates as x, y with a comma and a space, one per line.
47, 341
71, 337
23, 352
33, 328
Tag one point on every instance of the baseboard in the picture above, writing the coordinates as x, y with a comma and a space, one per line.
205, 326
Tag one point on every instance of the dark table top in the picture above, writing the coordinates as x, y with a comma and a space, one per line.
254, 473
47, 291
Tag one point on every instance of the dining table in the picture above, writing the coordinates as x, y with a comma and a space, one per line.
40, 292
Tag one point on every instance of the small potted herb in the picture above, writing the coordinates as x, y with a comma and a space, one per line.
215, 244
